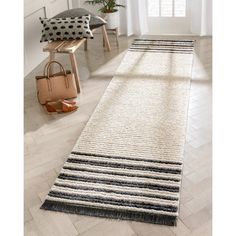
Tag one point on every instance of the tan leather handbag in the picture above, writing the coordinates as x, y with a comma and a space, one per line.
57, 86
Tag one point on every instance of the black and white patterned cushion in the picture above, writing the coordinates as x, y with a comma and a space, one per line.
65, 28
95, 21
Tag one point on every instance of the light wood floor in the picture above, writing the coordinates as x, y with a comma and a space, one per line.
50, 138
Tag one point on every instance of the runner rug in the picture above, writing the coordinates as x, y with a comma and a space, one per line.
128, 160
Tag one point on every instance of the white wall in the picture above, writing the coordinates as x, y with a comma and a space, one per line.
201, 17
208, 16
82, 4
196, 14
33, 9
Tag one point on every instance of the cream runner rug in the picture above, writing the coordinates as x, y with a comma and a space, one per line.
127, 162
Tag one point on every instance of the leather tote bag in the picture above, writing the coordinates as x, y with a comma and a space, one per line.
52, 87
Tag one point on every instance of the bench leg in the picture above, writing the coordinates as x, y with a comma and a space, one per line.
51, 58
86, 45
75, 71
105, 36
117, 35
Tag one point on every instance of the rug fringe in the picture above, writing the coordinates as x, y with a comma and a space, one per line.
108, 213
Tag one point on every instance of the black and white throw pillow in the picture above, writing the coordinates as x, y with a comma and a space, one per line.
65, 28
95, 21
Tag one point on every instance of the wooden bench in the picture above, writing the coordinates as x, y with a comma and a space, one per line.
70, 47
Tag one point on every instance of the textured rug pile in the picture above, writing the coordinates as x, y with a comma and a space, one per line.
127, 163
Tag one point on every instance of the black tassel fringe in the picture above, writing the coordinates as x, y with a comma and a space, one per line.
108, 213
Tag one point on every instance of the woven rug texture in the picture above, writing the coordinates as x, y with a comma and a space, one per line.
127, 162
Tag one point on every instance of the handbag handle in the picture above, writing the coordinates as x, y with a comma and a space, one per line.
47, 68
49, 64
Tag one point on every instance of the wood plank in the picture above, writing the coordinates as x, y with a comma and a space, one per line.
66, 46
52, 223
52, 46
70, 46
110, 228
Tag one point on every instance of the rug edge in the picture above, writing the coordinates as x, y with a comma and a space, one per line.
108, 213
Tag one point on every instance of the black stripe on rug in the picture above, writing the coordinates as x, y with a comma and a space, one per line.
157, 51
183, 47
163, 45
162, 49
127, 158
124, 166
166, 40
159, 187
79, 187
112, 201
80, 169
160, 46
110, 213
